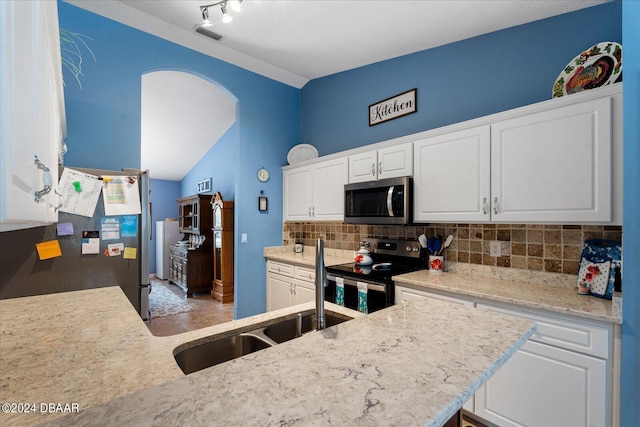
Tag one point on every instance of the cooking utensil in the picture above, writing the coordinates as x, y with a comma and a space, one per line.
437, 245
423, 240
446, 244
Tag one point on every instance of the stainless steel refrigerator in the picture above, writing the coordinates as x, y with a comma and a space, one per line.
22, 273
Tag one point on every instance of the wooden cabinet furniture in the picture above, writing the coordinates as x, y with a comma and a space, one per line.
563, 375
194, 215
222, 211
389, 162
538, 165
315, 192
191, 268
288, 285
32, 115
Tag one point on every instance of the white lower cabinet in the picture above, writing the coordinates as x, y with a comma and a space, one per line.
564, 375
542, 385
288, 285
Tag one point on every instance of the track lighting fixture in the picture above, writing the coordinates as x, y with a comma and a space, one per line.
236, 6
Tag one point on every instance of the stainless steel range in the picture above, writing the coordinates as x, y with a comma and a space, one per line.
390, 258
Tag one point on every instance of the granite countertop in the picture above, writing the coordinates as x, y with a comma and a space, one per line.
415, 363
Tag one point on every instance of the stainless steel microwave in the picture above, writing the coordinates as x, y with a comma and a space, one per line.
386, 201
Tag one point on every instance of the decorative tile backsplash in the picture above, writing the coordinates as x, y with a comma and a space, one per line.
541, 247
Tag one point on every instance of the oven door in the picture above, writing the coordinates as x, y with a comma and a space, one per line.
378, 295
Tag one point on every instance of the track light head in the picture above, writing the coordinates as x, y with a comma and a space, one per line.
205, 16
226, 18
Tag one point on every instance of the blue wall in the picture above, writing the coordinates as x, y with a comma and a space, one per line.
630, 379
103, 122
456, 82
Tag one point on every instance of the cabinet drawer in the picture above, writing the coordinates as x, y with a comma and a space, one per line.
582, 337
280, 268
306, 274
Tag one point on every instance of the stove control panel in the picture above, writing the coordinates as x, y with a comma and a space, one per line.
405, 248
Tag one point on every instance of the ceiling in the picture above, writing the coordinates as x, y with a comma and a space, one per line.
294, 41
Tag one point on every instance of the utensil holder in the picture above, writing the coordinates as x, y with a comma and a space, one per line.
436, 263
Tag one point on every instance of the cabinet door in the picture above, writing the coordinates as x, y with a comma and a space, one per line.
543, 385
363, 167
452, 176
297, 194
395, 161
304, 292
329, 179
29, 116
279, 291
553, 166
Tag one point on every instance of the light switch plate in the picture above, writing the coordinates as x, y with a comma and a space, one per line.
243, 238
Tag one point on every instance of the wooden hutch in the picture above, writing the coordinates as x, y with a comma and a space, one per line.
222, 248
190, 266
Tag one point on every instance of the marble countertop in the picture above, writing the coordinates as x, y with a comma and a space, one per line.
551, 292
415, 363
307, 258
538, 290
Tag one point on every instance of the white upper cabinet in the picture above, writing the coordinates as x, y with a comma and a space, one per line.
553, 166
315, 192
389, 162
452, 176
541, 164
31, 113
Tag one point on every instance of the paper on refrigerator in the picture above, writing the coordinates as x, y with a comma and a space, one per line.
121, 195
79, 192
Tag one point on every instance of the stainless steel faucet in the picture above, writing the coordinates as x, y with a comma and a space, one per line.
321, 282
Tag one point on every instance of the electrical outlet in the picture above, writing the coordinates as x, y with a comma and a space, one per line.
495, 249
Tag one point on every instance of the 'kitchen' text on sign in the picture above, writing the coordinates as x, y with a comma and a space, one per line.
392, 108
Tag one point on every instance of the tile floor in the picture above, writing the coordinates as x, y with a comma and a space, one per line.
207, 312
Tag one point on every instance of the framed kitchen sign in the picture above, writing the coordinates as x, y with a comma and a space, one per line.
392, 108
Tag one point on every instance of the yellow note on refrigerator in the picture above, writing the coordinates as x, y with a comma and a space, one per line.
130, 253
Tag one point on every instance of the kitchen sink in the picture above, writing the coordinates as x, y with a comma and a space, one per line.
288, 329
221, 350
212, 353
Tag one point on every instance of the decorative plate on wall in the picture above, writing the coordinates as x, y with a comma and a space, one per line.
597, 66
302, 152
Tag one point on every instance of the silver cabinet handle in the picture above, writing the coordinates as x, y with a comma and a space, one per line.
309, 210
484, 206
47, 180
379, 168
373, 169
495, 206
313, 210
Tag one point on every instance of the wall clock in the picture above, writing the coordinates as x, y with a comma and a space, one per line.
263, 175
